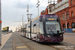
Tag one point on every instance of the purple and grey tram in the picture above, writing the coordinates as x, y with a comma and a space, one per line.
45, 28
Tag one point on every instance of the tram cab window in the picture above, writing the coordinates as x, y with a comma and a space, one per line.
52, 26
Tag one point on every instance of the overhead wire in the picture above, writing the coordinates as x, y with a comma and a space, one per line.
33, 11
41, 1
17, 8
35, 7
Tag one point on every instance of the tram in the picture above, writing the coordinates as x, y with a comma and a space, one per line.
45, 28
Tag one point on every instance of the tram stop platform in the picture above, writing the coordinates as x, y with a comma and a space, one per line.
4, 39
13, 43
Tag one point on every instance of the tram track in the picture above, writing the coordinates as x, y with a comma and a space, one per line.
25, 43
55, 48
33, 49
14, 43
50, 45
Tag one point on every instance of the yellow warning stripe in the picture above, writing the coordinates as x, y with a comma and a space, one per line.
21, 47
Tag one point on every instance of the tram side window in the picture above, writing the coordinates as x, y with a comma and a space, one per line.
28, 29
41, 28
38, 28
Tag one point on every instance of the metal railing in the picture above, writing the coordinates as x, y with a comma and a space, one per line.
60, 4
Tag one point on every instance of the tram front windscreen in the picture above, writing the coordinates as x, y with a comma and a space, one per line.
52, 27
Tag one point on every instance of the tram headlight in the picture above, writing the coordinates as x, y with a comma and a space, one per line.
60, 35
49, 36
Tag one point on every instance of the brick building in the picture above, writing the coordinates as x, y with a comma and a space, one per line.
65, 9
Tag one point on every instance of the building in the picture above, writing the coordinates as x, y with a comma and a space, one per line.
5, 29
65, 9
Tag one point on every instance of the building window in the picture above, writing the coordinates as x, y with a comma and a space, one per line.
68, 25
63, 15
59, 16
67, 14
71, 2
73, 25
64, 26
72, 14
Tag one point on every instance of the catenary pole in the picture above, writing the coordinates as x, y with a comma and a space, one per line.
48, 6
0, 22
30, 20
38, 6
28, 12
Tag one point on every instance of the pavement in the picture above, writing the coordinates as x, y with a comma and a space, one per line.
17, 42
69, 38
4, 38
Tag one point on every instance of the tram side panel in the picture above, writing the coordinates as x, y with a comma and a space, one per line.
28, 31
34, 30
37, 30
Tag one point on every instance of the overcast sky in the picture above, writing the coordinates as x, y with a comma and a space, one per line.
12, 10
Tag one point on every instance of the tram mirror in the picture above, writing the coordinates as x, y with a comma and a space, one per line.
62, 32
57, 20
58, 31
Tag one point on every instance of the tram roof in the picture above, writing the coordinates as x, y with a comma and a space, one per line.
33, 19
47, 15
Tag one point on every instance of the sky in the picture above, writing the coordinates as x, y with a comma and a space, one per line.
13, 10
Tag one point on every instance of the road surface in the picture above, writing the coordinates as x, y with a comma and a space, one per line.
17, 42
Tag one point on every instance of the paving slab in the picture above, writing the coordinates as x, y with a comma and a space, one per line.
4, 38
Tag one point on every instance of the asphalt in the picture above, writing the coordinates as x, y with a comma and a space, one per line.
17, 42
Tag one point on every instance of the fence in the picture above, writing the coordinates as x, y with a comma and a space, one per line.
69, 30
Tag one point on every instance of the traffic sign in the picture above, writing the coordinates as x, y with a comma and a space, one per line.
0, 21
